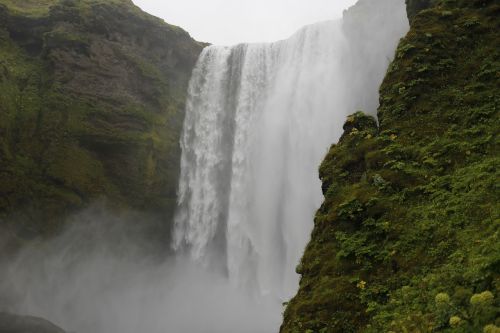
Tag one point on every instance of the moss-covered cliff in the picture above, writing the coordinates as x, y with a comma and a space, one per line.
407, 239
91, 106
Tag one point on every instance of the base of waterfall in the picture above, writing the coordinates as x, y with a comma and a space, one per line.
177, 297
97, 278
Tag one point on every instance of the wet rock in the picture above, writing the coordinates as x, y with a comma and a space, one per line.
415, 6
10, 323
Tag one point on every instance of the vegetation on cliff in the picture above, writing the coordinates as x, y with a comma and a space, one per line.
407, 239
91, 106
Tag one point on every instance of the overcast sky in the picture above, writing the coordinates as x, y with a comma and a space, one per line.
228, 22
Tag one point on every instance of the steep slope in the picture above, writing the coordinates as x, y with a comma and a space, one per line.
91, 105
407, 237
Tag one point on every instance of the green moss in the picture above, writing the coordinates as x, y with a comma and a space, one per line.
411, 208
90, 107
37, 8
29, 7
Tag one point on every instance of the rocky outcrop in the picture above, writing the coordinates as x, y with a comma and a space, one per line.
415, 6
91, 106
25, 324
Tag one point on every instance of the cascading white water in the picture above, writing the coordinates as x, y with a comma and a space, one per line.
256, 128
259, 119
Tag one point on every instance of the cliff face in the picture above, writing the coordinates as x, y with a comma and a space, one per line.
91, 105
407, 237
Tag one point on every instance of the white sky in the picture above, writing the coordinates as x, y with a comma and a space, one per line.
228, 22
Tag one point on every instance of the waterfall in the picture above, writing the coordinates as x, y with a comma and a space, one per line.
259, 120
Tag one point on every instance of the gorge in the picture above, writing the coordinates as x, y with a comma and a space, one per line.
399, 233
259, 119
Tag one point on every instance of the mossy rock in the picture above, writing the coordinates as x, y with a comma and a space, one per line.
92, 98
411, 208
415, 6
360, 122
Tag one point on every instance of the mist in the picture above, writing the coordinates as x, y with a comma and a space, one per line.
97, 277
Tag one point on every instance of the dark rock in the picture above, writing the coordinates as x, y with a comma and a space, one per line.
26, 324
415, 6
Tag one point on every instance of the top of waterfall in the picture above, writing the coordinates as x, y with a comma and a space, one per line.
297, 34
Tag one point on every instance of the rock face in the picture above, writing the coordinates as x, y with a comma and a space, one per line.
415, 6
24, 324
407, 237
91, 105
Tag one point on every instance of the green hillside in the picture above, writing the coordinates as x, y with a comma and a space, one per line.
407, 239
91, 106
